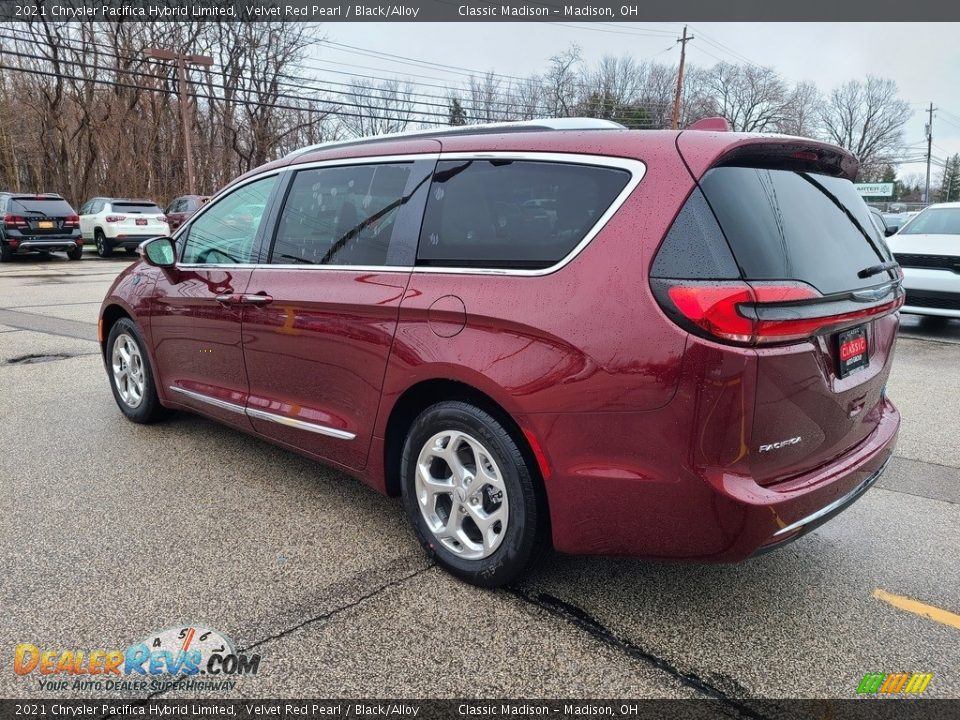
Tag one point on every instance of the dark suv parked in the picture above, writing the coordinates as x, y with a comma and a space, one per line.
657, 343
38, 223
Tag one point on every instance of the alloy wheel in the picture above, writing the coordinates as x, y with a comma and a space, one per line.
461, 494
128, 372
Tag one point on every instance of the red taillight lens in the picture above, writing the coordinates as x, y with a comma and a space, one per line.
761, 314
162, 218
14, 221
714, 308
116, 218
71, 221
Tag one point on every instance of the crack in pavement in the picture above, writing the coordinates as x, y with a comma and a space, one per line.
580, 618
369, 594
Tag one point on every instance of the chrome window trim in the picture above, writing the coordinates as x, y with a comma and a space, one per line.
264, 415
636, 168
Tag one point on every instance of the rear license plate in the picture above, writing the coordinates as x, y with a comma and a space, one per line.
45, 225
141, 221
853, 353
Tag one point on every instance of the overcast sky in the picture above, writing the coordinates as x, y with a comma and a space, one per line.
923, 58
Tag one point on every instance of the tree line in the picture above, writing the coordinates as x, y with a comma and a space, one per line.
88, 113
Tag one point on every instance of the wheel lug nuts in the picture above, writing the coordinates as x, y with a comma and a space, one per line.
474, 501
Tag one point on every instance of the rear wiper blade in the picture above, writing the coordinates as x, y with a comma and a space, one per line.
877, 269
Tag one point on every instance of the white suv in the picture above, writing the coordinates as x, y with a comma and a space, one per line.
928, 250
111, 223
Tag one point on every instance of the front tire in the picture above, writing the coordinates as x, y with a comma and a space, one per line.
470, 496
131, 376
104, 248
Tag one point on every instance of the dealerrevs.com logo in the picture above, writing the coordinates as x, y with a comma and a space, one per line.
190, 657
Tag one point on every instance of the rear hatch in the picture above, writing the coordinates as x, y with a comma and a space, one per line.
39, 216
801, 277
138, 218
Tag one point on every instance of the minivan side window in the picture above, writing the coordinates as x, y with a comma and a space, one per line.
226, 232
512, 213
342, 215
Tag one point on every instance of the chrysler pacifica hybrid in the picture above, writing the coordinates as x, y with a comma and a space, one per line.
557, 333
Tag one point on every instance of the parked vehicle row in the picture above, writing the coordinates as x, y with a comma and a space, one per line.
655, 343
46, 222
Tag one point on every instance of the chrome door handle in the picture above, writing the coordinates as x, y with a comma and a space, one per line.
225, 299
258, 299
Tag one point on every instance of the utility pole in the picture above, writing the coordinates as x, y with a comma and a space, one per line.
926, 191
183, 95
675, 123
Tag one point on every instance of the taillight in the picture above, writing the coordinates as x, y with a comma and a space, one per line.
116, 218
71, 221
14, 221
762, 313
162, 218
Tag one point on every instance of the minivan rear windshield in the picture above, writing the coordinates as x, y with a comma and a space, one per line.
50, 207
935, 221
788, 225
134, 208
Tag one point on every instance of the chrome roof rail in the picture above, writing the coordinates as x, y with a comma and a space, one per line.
486, 129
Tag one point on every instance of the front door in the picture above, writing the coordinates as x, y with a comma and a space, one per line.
197, 308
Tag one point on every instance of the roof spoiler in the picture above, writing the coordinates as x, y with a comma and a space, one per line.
793, 154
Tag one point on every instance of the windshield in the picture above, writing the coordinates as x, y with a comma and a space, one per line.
935, 221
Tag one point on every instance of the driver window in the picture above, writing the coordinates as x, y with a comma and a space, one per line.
225, 233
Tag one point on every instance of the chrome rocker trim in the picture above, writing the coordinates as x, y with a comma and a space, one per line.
263, 415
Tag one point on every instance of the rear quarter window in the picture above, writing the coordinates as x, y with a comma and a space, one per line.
512, 213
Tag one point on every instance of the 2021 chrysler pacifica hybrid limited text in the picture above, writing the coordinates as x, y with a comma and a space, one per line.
664, 344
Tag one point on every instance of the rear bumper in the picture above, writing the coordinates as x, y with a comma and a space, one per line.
703, 514
48, 245
129, 241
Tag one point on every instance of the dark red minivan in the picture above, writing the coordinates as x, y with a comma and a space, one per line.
654, 343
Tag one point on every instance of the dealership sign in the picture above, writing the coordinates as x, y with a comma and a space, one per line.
874, 189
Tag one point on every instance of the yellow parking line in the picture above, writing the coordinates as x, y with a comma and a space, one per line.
918, 608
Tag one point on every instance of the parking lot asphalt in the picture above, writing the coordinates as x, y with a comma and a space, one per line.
112, 531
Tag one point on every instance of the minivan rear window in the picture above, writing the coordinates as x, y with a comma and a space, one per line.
137, 208
512, 213
787, 225
51, 207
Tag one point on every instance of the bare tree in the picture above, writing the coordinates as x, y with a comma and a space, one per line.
751, 98
562, 82
376, 108
801, 113
867, 118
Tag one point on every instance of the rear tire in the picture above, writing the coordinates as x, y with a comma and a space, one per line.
470, 496
76, 253
6, 252
104, 248
130, 251
131, 376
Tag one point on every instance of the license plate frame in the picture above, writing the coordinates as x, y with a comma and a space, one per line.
853, 351
141, 221
45, 224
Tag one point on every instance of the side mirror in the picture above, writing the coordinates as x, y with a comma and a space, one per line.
890, 231
159, 252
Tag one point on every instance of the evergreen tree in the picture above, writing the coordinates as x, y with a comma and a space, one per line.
457, 114
950, 187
